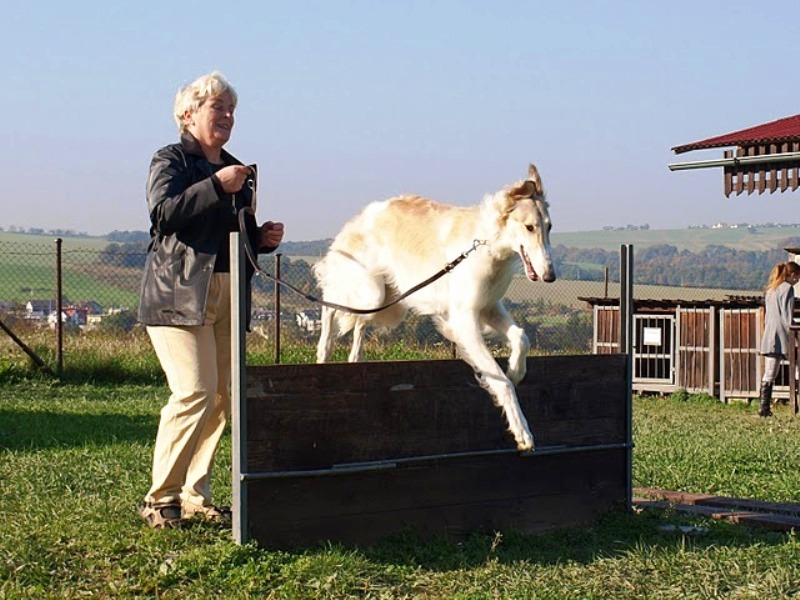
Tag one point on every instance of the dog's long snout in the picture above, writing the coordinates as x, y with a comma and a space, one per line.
549, 275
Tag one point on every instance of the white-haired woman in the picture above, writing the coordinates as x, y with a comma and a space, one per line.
194, 193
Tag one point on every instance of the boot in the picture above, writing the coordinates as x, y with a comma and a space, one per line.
764, 409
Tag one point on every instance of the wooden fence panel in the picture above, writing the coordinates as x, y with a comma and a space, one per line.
442, 461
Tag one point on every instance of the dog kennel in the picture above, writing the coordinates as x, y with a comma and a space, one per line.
707, 346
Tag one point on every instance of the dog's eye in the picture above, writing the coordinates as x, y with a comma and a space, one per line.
529, 227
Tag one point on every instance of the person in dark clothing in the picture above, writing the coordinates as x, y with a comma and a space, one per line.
195, 191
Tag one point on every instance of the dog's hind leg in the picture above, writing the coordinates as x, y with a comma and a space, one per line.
465, 332
358, 341
325, 344
498, 322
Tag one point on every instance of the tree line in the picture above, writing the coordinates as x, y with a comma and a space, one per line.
713, 267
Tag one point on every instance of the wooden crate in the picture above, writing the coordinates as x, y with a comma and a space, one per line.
353, 453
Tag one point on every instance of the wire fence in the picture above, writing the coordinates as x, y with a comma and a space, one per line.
99, 292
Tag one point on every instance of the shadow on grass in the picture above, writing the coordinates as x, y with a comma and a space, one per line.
22, 430
617, 534
95, 375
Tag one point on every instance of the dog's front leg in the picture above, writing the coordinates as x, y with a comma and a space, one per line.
498, 322
468, 338
518, 360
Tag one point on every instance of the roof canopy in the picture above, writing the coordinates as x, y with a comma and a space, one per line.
774, 132
767, 157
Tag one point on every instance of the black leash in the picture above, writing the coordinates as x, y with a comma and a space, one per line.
252, 257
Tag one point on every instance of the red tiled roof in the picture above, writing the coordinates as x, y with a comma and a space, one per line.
782, 130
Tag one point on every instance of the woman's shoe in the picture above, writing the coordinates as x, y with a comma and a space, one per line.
211, 513
164, 516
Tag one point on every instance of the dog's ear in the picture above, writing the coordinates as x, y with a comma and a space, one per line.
530, 188
533, 178
527, 189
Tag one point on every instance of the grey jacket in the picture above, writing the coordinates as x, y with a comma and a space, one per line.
187, 209
779, 305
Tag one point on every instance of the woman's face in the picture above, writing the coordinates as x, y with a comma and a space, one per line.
212, 123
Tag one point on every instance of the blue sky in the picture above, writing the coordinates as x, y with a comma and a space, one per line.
346, 102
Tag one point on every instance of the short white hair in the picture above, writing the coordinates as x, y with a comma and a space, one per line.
191, 96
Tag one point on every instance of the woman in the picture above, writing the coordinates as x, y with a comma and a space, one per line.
194, 193
778, 309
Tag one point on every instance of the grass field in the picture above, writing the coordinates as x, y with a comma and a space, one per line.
569, 292
74, 462
48, 242
684, 239
28, 267
109, 287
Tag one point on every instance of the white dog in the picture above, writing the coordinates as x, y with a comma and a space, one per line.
393, 245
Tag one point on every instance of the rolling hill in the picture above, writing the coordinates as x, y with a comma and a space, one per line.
757, 239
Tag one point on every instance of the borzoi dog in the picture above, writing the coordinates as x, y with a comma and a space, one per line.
393, 245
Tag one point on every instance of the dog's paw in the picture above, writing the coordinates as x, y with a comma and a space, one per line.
525, 444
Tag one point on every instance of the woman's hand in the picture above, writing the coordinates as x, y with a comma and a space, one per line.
232, 177
271, 234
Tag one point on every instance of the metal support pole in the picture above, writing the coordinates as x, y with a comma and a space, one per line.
59, 312
627, 347
31, 354
277, 343
626, 299
238, 389
735, 161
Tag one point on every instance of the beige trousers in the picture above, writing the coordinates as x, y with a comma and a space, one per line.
196, 361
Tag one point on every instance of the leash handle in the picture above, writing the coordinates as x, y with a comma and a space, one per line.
250, 182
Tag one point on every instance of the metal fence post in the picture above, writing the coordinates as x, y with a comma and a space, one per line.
626, 347
277, 347
59, 312
238, 389
626, 299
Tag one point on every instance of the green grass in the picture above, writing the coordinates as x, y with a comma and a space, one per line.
98, 283
74, 464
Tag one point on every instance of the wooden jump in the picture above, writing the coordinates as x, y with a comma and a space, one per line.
353, 453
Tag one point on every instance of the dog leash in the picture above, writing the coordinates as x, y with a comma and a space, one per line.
252, 257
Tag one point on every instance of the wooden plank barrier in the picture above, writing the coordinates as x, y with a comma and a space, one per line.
352, 453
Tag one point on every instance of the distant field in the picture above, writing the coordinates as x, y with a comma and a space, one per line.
120, 287
49, 241
563, 291
684, 239
26, 261
767, 238
27, 271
